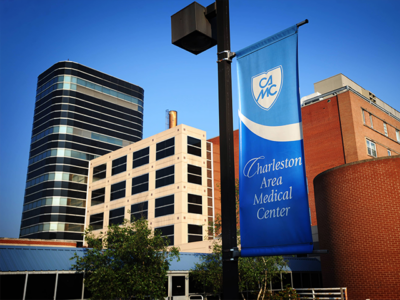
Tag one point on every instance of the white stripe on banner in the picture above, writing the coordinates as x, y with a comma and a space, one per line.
285, 133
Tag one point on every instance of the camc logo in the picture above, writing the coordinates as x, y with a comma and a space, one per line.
266, 87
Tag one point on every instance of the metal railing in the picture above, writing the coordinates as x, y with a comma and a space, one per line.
323, 293
196, 297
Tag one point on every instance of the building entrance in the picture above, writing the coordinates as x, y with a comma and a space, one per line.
178, 285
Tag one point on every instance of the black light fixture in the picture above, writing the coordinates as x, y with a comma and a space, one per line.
194, 28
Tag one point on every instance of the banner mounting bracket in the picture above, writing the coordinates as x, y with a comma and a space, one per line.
235, 254
302, 23
229, 56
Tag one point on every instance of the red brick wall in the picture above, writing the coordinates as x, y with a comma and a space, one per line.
323, 148
217, 171
358, 207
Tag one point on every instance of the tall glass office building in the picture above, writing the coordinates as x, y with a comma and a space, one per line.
80, 114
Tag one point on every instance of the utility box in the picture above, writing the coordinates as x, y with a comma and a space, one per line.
192, 30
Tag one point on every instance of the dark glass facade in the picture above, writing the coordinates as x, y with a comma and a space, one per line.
80, 114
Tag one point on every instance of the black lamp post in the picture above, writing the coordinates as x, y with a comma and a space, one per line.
196, 29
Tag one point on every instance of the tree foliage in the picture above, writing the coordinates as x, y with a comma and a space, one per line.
125, 261
255, 273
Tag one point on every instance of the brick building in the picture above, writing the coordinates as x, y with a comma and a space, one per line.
342, 123
358, 220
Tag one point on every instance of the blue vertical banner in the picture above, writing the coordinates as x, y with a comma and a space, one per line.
274, 213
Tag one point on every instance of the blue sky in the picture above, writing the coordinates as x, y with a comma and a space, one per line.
131, 40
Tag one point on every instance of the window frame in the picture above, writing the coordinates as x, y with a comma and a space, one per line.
162, 151
194, 204
145, 209
370, 120
363, 115
102, 221
97, 196
371, 150
117, 216
105, 172
159, 207
191, 174
140, 157
171, 241
195, 236
117, 191
385, 129
119, 165
144, 183
167, 177
192, 147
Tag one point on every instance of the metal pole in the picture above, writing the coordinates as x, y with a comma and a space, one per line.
83, 286
228, 207
25, 286
55, 287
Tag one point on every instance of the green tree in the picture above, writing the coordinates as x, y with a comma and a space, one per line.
126, 261
255, 273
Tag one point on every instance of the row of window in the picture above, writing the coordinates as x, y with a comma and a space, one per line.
87, 126
116, 217
164, 177
54, 226
141, 157
60, 152
74, 69
107, 139
371, 149
57, 86
70, 130
70, 82
99, 123
55, 201
88, 105
57, 176
163, 206
55, 129
385, 125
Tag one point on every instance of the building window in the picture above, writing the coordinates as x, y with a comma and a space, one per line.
371, 147
117, 216
164, 206
398, 135
363, 115
167, 232
118, 190
165, 176
96, 221
99, 172
139, 210
195, 204
57, 176
385, 129
370, 119
165, 148
194, 146
118, 165
194, 174
195, 233
389, 152
107, 139
140, 184
98, 196
140, 158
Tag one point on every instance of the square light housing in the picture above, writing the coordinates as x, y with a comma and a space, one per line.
192, 30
